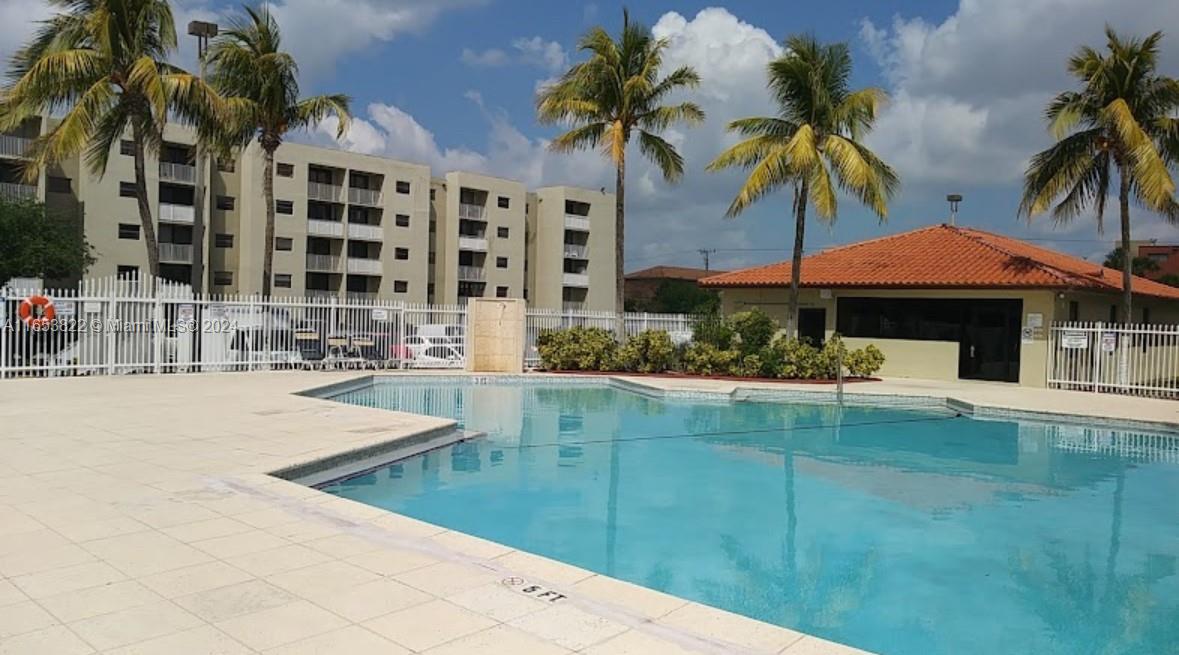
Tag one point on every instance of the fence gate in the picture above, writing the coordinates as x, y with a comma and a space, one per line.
1141, 359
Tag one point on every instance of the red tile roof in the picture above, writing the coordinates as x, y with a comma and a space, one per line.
942, 257
671, 273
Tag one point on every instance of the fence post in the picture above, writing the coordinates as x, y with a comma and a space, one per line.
112, 326
6, 324
1124, 356
250, 341
157, 322
1096, 350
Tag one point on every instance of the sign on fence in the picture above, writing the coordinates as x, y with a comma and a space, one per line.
1074, 340
1130, 359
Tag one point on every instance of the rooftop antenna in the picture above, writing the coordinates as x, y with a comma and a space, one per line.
954, 199
706, 253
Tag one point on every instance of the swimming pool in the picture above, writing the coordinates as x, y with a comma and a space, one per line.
904, 531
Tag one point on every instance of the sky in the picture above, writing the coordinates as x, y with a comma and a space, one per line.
451, 83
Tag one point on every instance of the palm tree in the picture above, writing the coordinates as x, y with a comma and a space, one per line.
812, 146
1122, 120
611, 96
105, 62
260, 83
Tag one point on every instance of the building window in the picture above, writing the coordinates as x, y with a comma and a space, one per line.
431, 258
400, 286
129, 231
432, 193
1074, 311
57, 184
225, 202
127, 189
128, 273
223, 240
1113, 313
401, 253
127, 147
501, 292
501, 262
285, 170
402, 220
504, 202
284, 206
223, 278
501, 232
283, 243
402, 187
282, 280
226, 165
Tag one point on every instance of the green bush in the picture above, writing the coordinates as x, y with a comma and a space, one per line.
792, 359
714, 331
865, 362
577, 349
707, 359
754, 329
650, 351
749, 366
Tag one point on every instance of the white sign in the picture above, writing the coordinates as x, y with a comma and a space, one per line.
66, 308
92, 307
1035, 320
185, 313
380, 314
1074, 340
825, 294
1027, 335
1109, 342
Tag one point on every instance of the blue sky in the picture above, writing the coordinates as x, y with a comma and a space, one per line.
451, 83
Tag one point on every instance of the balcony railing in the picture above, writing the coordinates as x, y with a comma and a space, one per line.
18, 191
170, 213
369, 197
14, 146
325, 192
330, 229
176, 253
361, 266
182, 173
575, 280
476, 244
472, 273
365, 232
569, 306
575, 222
323, 263
322, 293
472, 212
575, 251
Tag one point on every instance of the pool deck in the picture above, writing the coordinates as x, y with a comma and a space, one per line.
137, 515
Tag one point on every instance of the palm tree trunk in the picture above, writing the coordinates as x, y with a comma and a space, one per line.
620, 246
145, 219
796, 259
1127, 256
268, 197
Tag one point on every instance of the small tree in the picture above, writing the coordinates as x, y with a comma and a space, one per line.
34, 243
1116, 260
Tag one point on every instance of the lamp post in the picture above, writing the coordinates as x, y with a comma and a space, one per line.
203, 32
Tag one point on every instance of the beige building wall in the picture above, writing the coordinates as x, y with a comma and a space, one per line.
571, 241
479, 238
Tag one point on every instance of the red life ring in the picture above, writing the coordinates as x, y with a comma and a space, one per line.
37, 311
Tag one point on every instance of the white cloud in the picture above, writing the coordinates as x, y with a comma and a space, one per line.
529, 51
486, 59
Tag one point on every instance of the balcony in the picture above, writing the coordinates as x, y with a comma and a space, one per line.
368, 197
323, 263
472, 273
575, 280
14, 146
176, 253
477, 244
575, 251
360, 266
365, 232
18, 191
330, 229
575, 222
170, 213
325, 192
182, 173
472, 212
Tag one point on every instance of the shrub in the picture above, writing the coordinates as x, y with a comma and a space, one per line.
793, 359
749, 366
650, 351
754, 329
577, 349
707, 359
714, 331
865, 362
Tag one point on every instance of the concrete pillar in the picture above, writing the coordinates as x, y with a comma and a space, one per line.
496, 328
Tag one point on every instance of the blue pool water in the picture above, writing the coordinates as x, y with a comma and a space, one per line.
901, 531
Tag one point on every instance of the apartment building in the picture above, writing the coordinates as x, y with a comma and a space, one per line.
346, 225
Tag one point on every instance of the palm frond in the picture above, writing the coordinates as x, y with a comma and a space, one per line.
583, 137
1055, 170
1150, 171
664, 155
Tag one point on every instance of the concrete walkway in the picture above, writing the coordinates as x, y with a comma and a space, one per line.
137, 516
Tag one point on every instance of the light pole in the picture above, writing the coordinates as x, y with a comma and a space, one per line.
203, 32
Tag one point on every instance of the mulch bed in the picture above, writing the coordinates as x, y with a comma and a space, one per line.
723, 378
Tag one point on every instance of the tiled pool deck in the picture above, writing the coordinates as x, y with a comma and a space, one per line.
137, 516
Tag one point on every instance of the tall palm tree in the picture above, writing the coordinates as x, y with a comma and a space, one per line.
261, 86
1121, 121
812, 146
105, 63
610, 97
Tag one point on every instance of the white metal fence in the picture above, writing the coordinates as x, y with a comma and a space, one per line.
538, 320
1139, 359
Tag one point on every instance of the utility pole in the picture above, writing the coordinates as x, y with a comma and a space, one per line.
203, 32
706, 253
